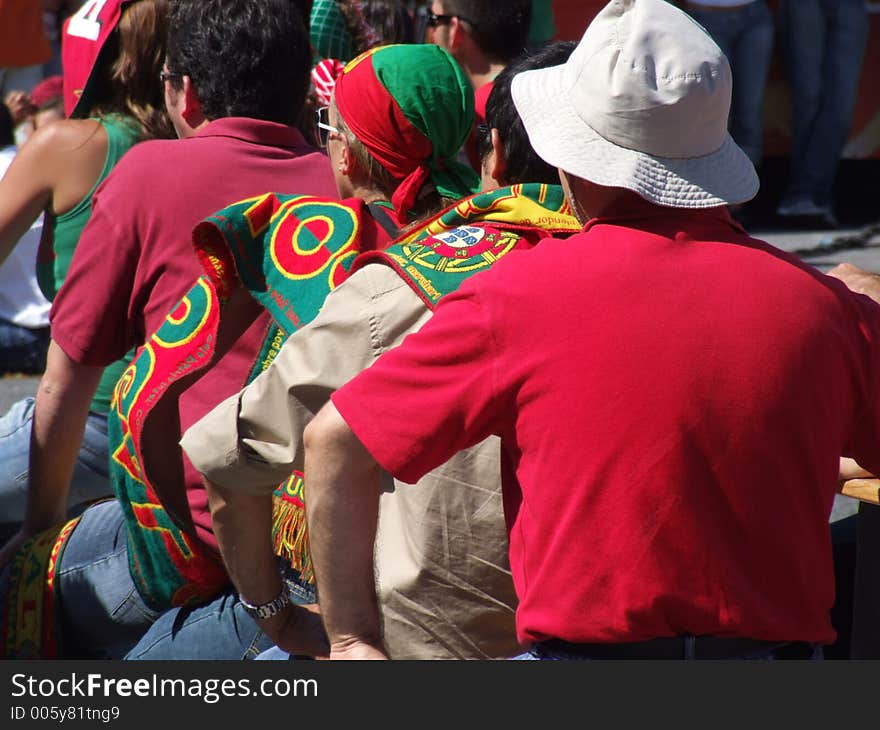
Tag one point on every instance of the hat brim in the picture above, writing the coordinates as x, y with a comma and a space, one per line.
562, 138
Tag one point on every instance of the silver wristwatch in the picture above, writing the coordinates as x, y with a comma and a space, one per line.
267, 610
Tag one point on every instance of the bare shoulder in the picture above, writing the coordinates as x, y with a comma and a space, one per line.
70, 135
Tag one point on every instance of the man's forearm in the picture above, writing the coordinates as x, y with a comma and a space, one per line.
342, 505
243, 526
60, 413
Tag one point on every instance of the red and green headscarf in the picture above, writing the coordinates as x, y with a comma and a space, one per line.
412, 107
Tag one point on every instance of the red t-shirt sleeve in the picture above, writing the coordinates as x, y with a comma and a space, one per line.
436, 394
89, 316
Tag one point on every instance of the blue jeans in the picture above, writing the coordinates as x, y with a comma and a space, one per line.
823, 43
103, 614
22, 349
745, 35
91, 479
221, 629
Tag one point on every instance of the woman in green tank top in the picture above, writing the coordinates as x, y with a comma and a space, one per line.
57, 172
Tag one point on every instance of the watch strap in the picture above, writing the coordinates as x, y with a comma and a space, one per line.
267, 610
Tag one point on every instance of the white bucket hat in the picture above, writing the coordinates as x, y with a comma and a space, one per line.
642, 104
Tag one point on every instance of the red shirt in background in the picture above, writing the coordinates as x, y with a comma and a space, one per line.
481, 97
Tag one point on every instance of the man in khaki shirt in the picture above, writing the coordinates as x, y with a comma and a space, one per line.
441, 558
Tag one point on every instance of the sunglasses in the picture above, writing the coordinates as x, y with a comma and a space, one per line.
434, 19
324, 127
166, 75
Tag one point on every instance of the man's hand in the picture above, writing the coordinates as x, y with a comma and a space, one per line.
298, 630
19, 105
858, 280
356, 650
850, 469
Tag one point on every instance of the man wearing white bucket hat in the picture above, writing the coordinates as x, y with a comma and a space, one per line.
672, 395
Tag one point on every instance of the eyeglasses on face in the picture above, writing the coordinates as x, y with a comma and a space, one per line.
166, 75
324, 126
435, 19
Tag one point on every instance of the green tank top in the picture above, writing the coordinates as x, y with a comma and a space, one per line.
122, 134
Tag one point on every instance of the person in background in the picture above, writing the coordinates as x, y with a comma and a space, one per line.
744, 30
343, 29
823, 43
23, 45
660, 382
24, 311
47, 101
55, 13
483, 36
57, 173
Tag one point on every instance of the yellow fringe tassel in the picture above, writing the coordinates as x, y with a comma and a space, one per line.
290, 536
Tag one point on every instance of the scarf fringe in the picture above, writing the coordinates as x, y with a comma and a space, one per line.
290, 536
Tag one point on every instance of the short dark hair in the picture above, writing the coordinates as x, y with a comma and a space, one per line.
245, 59
7, 128
377, 23
523, 163
500, 29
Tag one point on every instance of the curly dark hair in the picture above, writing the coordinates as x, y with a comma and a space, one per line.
246, 59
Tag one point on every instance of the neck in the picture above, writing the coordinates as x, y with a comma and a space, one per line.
481, 70
368, 193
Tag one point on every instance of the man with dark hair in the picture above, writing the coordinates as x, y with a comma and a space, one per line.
134, 262
243, 89
483, 36
445, 587
514, 159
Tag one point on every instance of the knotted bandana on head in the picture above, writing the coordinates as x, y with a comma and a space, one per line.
412, 107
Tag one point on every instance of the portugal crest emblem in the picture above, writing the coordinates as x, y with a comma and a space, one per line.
461, 249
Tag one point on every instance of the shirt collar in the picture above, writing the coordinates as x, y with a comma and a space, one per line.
665, 220
257, 131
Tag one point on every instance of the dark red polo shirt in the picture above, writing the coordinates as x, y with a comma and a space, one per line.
135, 259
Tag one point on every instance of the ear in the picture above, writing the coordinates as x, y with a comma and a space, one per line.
347, 161
192, 106
457, 34
496, 160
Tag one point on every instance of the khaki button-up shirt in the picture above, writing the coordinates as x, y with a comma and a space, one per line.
441, 549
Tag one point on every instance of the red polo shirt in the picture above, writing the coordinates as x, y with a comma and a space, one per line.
673, 397
135, 260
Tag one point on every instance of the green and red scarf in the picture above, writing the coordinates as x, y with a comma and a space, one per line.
288, 252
